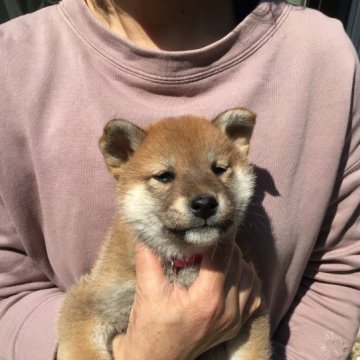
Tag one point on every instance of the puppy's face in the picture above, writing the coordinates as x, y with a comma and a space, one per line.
184, 182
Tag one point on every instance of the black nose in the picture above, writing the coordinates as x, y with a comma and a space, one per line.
204, 206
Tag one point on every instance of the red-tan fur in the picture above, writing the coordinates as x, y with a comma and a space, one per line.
189, 147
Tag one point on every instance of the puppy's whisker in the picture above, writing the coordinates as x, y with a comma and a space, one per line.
214, 252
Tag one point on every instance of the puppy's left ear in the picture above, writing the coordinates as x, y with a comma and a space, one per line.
238, 125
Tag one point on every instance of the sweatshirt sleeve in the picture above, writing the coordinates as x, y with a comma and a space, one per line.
324, 317
28, 301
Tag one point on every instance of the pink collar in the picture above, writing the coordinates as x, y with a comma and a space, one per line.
186, 262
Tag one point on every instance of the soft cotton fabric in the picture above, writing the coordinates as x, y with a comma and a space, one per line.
63, 76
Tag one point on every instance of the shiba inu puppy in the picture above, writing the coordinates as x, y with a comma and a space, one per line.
183, 186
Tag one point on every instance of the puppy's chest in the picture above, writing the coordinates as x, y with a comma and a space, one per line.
182, 275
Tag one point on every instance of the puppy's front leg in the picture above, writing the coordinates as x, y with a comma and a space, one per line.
88, 343
253, 341
91, 317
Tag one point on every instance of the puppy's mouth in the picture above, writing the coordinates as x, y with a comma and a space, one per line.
201, 231
182, 231
222, 226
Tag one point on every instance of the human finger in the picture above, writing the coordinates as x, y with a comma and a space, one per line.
149, 270
213, 272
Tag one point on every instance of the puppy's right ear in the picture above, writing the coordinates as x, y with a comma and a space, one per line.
119, 141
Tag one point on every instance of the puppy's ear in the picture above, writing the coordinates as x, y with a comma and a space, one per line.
119, 141
238, 125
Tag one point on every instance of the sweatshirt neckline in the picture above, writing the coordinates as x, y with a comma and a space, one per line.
176, 67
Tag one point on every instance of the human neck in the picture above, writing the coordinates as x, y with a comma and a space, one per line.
171, 25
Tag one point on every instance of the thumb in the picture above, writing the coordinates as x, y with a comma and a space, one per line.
149, 270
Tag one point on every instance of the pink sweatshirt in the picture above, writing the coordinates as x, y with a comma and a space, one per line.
63, 76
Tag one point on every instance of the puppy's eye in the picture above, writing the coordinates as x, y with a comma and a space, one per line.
165, 177
218, 170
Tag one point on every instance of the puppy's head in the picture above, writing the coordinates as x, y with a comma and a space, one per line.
184, 182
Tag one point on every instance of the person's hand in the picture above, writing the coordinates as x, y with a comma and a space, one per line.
168, 321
